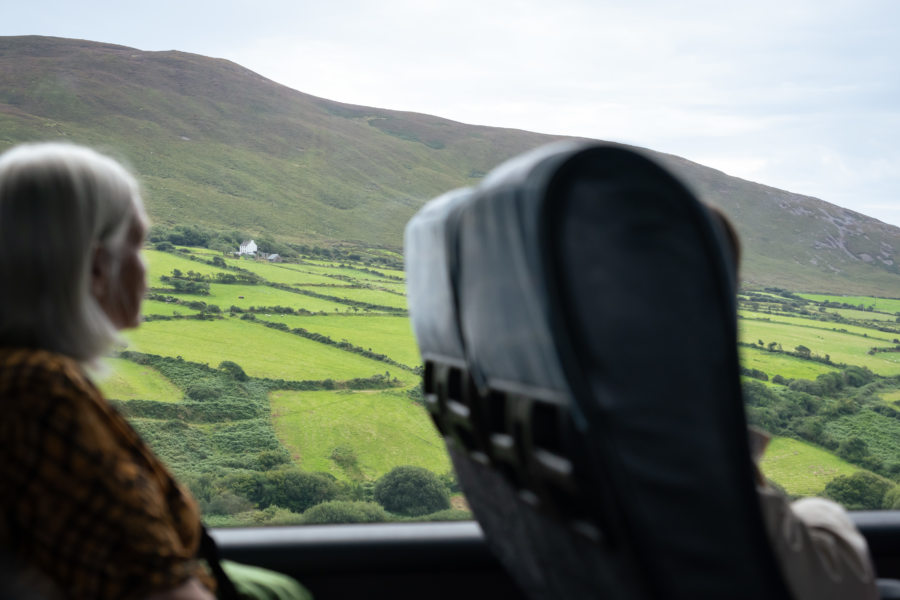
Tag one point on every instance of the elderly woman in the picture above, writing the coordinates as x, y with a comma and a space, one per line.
86, 506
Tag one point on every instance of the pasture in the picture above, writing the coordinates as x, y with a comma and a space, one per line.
162, 263
801, 468
886, 305
861, 330
841, 347
863, 315
261, 351
245, 296
773, 363
283, 273
370, 296
126, 380
388, 335
157, 307
332, 268
383, 429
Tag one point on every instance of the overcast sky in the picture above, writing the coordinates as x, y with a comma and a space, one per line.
801, 95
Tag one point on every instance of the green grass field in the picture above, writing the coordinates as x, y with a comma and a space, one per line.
843, 348
391, 336
127, 381
162, 263
888, 305
890, 396
800, 468
283, 273
332, 268
863, 315
155, 307
773, 364
384, 429
261, 351
245, 296
873, 334
377, 297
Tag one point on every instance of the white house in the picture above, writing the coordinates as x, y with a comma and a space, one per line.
248, 248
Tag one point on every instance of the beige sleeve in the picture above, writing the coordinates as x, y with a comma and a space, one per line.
822, 554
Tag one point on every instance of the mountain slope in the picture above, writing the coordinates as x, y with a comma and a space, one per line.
217, 144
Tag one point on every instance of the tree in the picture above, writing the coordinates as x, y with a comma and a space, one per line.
803, 351
411, 491
862, 490
853, 449
299, 490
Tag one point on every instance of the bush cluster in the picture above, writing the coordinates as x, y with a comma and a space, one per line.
411, 491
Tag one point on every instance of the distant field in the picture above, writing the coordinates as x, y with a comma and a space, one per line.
245, 296
800, 468
864, 315
391, 336
282, 273
261, 351
394, 286
332, 268
204, 252
888, 305
155, 307
127, 381
872, 334
377, 297
162, 263
842, 347
890, 396
384, 429
773, 364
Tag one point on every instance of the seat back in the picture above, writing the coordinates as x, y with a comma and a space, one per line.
576, 317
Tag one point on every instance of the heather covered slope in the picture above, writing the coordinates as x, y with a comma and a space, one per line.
219, 145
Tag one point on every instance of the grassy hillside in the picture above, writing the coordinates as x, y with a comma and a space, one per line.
381, 429
801, 468
218, 145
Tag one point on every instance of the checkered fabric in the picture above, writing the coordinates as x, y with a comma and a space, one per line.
83, 500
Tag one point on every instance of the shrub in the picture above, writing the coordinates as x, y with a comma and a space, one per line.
450, 514
411, 491
269, 459
233, 369
857, 376
204, 390
227, 503
345, 511
344, 456
853, 449
298, 490
892, 499
862, 490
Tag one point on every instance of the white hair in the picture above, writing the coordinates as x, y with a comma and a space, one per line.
59, 204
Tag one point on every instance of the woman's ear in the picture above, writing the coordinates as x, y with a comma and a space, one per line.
100, 274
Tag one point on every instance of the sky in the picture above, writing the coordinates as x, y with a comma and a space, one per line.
802, 95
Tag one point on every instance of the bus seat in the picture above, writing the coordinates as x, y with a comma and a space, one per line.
576, 317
